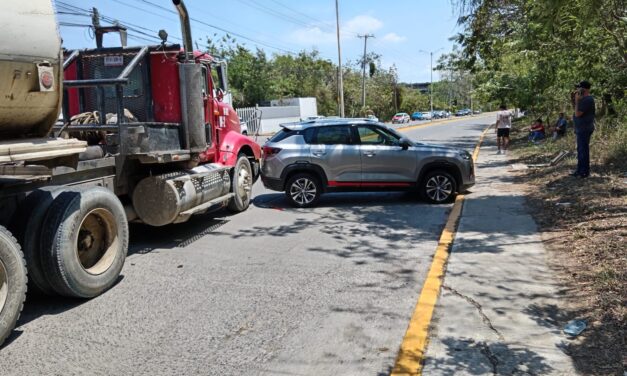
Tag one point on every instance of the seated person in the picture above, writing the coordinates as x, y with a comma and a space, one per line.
559, 129
536, 131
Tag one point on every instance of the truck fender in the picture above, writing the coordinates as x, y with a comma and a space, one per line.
235, 143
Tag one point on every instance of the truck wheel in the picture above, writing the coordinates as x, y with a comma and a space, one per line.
87, 236
27, 228
241, 185
303, 190
12, 283
438, 187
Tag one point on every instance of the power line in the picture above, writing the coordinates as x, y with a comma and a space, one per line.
273, 12
77, 11
221, 28
329, 26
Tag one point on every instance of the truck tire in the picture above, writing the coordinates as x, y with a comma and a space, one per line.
438, 187
241, 185
85, 239
13, 283
27, 228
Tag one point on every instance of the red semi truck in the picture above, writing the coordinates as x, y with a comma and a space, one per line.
145, 137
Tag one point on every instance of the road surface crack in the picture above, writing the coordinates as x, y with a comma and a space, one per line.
484, 317
494, 361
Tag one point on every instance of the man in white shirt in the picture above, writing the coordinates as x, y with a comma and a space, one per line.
503, 125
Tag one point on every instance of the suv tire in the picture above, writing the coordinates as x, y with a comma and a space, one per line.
438, 187
303, 190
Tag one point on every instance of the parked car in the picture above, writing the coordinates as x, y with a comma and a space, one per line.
372, 118
477, 112
442, 114
243, 127
463, 112
416, 115
427, 115
401, 118
305, 160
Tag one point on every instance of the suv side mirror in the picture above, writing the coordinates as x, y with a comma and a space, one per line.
404, 143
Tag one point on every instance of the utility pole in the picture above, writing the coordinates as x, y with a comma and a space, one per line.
431, 85
340, 79
363, 69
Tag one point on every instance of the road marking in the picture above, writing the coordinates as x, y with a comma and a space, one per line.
424, 125
410, 358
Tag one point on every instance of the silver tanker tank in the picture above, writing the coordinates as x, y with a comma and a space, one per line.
30, 69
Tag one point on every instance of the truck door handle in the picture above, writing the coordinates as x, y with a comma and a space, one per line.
370, 153
319, 153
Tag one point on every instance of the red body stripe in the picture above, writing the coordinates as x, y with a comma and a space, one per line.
333, 183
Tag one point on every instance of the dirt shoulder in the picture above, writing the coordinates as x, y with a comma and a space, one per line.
584, 227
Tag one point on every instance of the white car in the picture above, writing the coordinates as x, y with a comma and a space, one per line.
372, 118
243, 127
427, 115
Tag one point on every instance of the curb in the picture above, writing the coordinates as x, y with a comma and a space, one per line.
410, 358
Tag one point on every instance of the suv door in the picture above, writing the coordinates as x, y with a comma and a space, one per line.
383, 160
332, 149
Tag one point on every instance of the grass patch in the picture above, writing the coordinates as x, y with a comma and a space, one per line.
590, 253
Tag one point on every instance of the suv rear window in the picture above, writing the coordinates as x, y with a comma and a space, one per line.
285, 133
281, 135
333, 135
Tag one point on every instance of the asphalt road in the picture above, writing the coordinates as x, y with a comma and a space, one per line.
270, 291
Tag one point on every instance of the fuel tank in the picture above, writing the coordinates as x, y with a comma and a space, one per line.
159, 200
30, 69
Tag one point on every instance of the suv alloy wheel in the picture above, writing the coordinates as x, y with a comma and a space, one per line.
303, 190
438, 187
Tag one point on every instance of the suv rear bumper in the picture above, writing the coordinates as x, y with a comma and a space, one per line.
272, 183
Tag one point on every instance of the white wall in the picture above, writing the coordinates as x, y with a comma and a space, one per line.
287, 110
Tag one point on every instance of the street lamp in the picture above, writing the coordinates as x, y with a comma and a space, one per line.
431, 85
339, 59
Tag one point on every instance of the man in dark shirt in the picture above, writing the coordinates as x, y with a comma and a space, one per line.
584, 126
560, 127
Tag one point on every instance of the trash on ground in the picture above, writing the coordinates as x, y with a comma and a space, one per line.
574, 327
563, 203
519, 166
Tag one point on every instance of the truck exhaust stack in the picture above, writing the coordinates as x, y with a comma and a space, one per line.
186, 30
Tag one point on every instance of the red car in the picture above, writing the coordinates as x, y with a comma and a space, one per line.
400, 118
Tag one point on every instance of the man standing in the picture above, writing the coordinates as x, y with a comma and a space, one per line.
503, 125
584, 126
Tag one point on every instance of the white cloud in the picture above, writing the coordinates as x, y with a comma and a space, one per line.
393, 38
362, 24
312, 36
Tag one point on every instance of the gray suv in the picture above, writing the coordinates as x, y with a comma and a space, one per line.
307, 159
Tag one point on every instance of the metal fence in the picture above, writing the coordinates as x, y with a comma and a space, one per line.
252, 117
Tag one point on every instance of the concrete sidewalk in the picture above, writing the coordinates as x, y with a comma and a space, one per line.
494, 312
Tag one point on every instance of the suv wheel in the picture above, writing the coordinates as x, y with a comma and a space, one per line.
303, 190
438, 187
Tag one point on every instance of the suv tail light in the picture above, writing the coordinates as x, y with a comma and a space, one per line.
268, 151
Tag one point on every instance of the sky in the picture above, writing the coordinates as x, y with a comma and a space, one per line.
405, 31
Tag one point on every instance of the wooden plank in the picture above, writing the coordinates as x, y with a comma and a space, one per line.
39, 149
11, 170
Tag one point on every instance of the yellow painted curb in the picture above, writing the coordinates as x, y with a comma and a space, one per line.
410, 358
